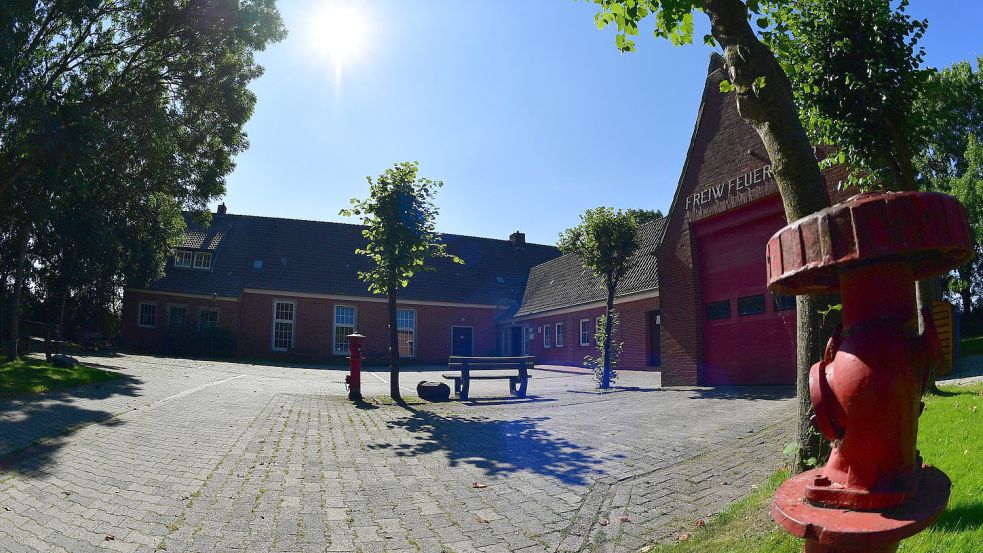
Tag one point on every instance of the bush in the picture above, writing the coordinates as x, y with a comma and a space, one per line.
193, 341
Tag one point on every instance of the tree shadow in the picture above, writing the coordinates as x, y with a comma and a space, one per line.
961, 518
615, 390
740, 392
496, 446
489, 401
33, 427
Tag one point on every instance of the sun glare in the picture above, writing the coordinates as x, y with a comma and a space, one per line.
338, 33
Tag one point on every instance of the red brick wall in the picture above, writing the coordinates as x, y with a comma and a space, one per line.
152, 339
314, 328
634, 333
724, 148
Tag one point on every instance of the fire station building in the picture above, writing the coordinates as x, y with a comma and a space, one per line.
695, 305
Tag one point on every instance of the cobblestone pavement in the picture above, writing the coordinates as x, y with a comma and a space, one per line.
208, 456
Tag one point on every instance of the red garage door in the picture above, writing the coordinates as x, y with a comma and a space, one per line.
748, 335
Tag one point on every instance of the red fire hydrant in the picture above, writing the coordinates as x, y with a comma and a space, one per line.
874, 491
354, 378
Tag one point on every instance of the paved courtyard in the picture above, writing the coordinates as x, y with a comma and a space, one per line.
184, 455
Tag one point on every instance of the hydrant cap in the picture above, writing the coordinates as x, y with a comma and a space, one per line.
927, 229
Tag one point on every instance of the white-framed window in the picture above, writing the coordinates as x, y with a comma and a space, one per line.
284, 313
182, 258
208, 317
203, 260
546, 335
147, 315
584, 332
345, 317
560, 338
177, 315
406, 332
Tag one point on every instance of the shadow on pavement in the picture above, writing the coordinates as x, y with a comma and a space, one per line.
29, 419
496, 446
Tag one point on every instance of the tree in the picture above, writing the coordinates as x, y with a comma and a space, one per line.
765, 100
605, 241
140, 102
644, 215
953, 103
400, 216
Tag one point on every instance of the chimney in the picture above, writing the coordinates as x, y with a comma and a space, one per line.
221, 209
518, 239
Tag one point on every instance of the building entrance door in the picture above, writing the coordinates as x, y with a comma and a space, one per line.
655, 344
462, 340
516, 341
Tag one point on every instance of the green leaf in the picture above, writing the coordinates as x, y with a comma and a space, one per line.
759, 83
726, 86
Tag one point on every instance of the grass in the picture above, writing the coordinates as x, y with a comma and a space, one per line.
950, 432
969, 347
33, 376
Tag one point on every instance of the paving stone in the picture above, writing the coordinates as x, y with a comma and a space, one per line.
188, 455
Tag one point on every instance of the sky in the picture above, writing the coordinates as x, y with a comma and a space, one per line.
523, 108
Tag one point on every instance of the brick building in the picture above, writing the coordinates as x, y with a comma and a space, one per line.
720, 324
289, 288
563, 301
695, 305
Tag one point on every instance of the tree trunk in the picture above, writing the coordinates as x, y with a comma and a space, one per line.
13, 311
393, 350
606, 372
772, 111
925, 295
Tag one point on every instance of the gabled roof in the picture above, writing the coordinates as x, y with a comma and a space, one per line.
565, 282
319, 257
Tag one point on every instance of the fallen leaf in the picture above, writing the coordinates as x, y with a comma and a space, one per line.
109, 537
478, 486
625, 518
682, 537
604, 522
483, 520
699, 523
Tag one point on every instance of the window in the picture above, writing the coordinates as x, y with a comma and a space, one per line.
546, 335
148, 315
208, 317
177, 315
781, 302
203, 260
559, 335
584, 332
718, 310
405, 331
751, 305
182, 258
257, 264
283, 325
344, 324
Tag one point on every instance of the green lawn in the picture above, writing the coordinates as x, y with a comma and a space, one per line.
971, 346
951, 431
32, 376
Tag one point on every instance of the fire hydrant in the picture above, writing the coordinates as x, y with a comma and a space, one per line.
354, 378
874, 491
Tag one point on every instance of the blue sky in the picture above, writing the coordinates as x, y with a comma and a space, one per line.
523, 108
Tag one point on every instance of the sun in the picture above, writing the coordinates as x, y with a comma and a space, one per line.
338, 32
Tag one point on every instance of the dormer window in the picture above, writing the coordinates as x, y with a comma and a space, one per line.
182, 258
203, 260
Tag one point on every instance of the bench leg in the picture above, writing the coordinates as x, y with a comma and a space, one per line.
465, 385
523, 383
457, 387
513, 381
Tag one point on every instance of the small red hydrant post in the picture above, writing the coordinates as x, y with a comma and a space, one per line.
354, 377
874, 491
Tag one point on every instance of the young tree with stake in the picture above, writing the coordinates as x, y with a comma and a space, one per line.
400, 217
604, 240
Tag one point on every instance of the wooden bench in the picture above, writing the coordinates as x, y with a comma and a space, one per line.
466, 365
95, 341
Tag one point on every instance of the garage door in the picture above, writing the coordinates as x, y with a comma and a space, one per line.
748, 334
